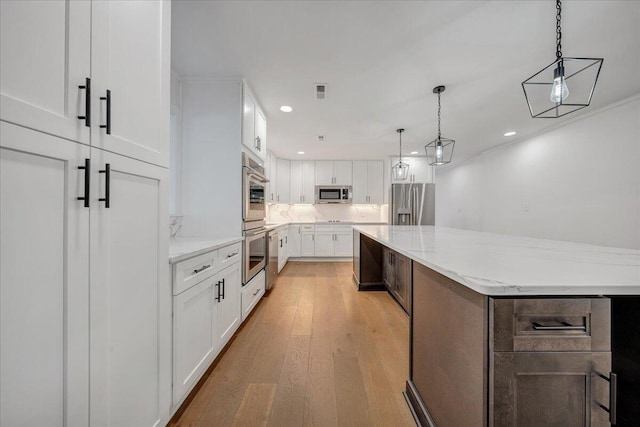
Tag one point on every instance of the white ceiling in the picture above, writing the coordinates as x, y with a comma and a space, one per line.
381, 61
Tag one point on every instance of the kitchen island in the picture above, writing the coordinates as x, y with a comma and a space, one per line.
509, 330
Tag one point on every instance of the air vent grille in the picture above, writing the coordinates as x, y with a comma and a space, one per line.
321, 90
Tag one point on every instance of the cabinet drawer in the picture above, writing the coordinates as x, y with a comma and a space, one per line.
307, 227
229, 255
324, 229
194, 270
251, 293
343, 229
551, 324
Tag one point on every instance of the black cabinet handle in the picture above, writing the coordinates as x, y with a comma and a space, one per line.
107, 185
108, 99
280, 242
87, 102
564, 327
218, 291
198, 270
87, 181
613, 397
222, 288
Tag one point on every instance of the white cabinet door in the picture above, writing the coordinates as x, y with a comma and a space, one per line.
261, 133
272, 174
343, 172
324, 244
297, 178
422, 171
130, 50
343, 244
130, 295
282, 248
294, 242
324, 172
284, 181
194, 337
308, 181
44, 280
45, 51
248, 120
229, 306
375, 185
360, 182
307, 244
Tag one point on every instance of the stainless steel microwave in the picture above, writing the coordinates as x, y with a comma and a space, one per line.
333, 194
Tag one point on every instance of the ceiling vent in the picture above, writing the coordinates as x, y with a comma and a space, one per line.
321, 90
320, 138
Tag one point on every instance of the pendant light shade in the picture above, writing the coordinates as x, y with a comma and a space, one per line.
564, 86
400, 170
440, 150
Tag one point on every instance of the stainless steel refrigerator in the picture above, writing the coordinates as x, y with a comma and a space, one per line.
412, 204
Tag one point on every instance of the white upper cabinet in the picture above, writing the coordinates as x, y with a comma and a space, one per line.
44, 59
130, 48
272, 173
367, 181
254, 124
419, 170
302, 181
283, 181
337, 172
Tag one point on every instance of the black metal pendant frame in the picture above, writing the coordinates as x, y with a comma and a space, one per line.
538, 82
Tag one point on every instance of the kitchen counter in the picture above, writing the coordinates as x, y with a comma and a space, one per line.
187, 247
504, 265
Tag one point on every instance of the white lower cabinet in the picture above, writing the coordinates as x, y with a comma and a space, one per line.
324, 244
294, 241
283, 243
194, 344
333, 241
205, 316
252, 292
307, 244
343, 245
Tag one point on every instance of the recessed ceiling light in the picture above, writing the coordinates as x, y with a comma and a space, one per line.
300, 152
414, 152
286, 109
510, 133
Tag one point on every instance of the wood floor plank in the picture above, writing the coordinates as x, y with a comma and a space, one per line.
255, 406
288, 403
351, 398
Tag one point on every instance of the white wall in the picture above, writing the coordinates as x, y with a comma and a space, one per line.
580, 182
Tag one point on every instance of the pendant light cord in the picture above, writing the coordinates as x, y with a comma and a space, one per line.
558, 29
439, 117
400, 132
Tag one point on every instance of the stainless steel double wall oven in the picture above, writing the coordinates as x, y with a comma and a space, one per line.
253, 217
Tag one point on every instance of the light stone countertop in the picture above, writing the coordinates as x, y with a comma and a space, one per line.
182, 248
504, 265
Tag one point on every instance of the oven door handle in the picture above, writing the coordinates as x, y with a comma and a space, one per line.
255, 175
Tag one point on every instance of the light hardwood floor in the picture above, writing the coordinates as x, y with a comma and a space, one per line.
315, 353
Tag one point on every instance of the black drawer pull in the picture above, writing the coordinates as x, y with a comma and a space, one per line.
108, 99
218, 292
107, 186
87, 102
222, 288
87, 182
198, 270
232, 254
613, 397
564, 327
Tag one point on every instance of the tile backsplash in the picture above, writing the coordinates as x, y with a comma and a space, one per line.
327, 212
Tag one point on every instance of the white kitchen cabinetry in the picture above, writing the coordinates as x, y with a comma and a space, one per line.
205, 315
44, 279
307, 240
81, 71
252, 292
130, 298
130, 75
367, 181
254, 124
302, 181
337, 172
419, 170
283, 181
283, 243
272, 174
333, 241
45, 50
294, 242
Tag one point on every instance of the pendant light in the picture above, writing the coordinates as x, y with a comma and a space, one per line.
564, 86
440, 150
401, 169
